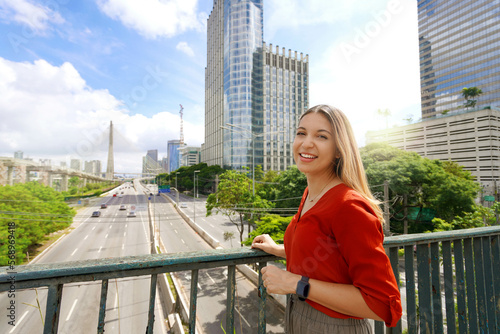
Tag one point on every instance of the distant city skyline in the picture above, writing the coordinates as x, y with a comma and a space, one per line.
69, 68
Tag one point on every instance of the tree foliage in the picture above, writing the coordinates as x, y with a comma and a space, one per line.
443, 186
234, 200
274, 225
469, 94
36, 210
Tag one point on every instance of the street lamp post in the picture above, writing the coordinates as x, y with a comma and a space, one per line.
194, 195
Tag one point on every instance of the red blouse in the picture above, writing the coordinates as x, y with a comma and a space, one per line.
340, 240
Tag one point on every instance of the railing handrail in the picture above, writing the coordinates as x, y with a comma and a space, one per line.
35, 275
416, 238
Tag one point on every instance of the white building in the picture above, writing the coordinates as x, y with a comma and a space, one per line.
470, 138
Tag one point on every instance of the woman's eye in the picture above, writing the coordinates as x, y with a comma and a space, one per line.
300, 133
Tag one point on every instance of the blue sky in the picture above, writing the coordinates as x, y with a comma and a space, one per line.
69, 67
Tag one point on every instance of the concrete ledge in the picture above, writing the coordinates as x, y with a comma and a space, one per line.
174, 321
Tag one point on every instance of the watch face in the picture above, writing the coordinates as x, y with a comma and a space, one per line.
303, 289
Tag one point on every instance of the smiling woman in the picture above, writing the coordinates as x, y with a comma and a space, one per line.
337, 270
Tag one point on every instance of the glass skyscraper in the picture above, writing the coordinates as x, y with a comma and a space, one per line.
459, 43
253, 96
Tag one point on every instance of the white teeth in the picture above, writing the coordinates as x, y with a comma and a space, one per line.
308, 156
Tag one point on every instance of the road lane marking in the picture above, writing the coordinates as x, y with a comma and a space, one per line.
123, 246
125, 233
175, 230
212, 225
86, 237
99, 249
93, 228
106, 236
18, 322
242, 317
183, 241
210, 278
111, 225
74, 252
71, 311
126, 225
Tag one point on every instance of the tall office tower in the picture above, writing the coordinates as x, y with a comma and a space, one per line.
173, 155
251, 105
459, 43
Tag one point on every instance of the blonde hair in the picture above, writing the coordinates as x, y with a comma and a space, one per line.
348, 166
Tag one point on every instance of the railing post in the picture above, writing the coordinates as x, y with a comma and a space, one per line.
394, 258
152, 298
471, 285
448, 287
480, 290
192, 301
411, 305
53, 309
488, 275
102, 306
424, 288
460, 277
437, 306
495, 251
262, 301
231, 289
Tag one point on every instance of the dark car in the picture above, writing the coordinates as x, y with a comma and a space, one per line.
96, 214
104, 206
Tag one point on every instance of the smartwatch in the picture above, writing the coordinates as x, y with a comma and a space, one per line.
303, 288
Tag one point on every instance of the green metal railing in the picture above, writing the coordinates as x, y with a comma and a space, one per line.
54, 276
462, 267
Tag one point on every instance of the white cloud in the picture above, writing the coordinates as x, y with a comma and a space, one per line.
155, 18
185, 48
36, 17
49, 111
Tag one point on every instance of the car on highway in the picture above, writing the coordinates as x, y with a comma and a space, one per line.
114, 195
123, 207
96, 214
104, 206
131, 214
184, 205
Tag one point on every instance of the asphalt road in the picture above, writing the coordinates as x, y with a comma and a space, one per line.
113, 234
177, 236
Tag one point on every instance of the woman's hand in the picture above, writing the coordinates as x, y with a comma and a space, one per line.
279, 281
268, 245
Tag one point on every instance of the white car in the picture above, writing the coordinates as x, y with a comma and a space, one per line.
123, 207
131, 214
184, 205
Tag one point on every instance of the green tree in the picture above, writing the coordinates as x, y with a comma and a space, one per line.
469, 94
266, 188
36, 210
443, 186
274, 225
290, 188
234, 200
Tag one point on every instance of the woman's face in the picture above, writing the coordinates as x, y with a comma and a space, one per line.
314, 148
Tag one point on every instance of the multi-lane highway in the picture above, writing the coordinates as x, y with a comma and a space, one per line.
113, 234
177, 236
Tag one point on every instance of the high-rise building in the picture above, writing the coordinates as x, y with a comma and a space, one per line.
190, 155
18, 154
93, 167
173, 155
76, 164
253, 95
459, 43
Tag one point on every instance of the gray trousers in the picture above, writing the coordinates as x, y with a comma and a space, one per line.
302, 318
